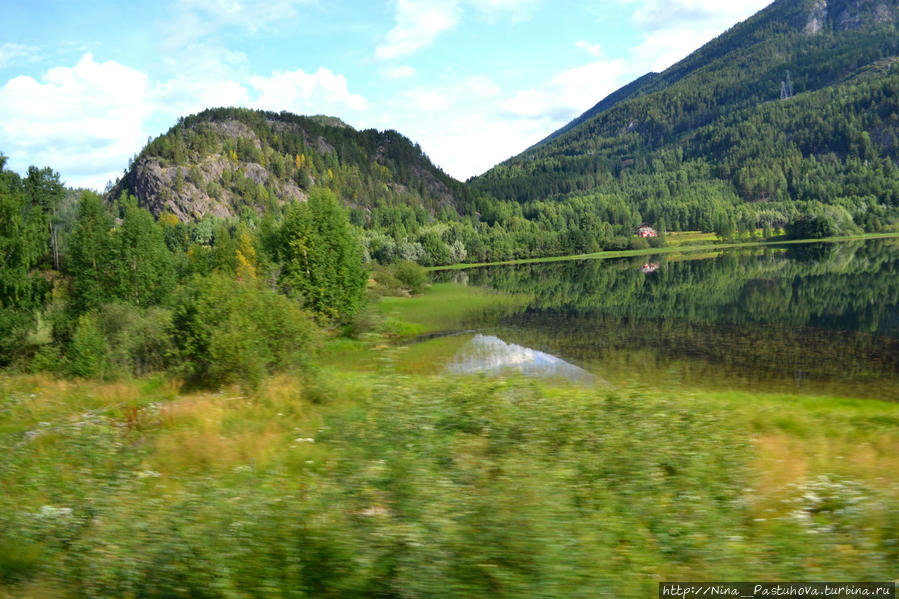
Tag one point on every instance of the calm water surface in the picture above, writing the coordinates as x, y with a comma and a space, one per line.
820, 319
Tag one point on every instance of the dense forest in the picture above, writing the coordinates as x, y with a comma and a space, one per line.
103, 289
227, 161
242, 165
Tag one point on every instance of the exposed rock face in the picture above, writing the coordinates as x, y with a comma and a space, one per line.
844, 15
202, 189
855, 14
157, 187
817, 17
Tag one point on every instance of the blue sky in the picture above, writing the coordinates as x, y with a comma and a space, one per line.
84, 84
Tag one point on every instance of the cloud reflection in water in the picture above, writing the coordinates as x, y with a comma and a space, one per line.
492, 355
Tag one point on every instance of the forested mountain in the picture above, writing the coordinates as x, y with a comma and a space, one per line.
790, 120
237, 165
795, 110
226, 161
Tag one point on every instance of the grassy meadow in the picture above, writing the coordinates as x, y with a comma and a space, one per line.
370, 476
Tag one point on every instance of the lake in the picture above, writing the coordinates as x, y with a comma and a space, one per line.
821, 319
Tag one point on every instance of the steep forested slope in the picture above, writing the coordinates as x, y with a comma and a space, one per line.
793, 110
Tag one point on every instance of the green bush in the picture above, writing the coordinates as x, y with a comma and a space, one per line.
413, 276
638, 243
385, 280
811, 226
15, 325
231, 331
138, 341
657, 242
618, 243
87, 351
46, 359
118, 340
402, 278
18, 559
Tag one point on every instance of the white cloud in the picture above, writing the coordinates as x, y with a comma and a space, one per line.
191, 38
305, 93
182, 96
593, 50
427, 99
667, 14
86, 121
442, 97
395, 72
208, 15
570, 92
206, 63
468, 144
529, 103
459, 124
661, 49
479, 86
675, 28
11, 53
418, 24
518, 10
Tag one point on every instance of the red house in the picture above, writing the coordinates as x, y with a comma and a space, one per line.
646, 230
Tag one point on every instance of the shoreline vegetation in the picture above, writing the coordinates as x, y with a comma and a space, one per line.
670, 249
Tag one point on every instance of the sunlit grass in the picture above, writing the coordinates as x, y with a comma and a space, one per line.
620, 487
678, 238
351, 354
430, 357
446, 307
32, 400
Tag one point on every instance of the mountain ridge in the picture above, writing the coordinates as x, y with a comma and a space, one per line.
225, 160
811, 17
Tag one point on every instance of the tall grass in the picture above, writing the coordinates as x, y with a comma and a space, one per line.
389, 485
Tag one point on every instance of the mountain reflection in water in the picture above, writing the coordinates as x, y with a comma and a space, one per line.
810, 318
489, 354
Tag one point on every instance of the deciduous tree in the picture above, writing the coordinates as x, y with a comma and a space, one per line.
322, 257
